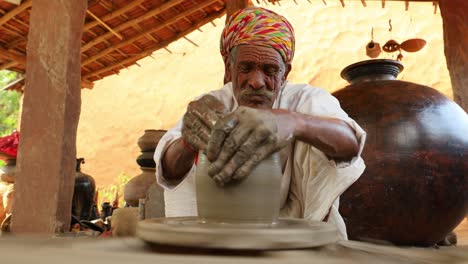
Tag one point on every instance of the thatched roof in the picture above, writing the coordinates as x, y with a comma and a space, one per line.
117, 33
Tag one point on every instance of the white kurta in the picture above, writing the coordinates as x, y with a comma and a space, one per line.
311, 183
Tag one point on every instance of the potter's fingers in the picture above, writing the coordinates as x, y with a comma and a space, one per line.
225, 175
219, 133
193, 140
208, 109
194, 125
248, 148
231, 144
260, 154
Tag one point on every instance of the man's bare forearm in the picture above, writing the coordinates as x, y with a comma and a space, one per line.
177, 161
332, 136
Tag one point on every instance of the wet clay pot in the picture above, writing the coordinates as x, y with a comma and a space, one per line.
255, 199
414, 188
149, 140
83, 195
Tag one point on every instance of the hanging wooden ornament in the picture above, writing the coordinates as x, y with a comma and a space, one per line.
413, 45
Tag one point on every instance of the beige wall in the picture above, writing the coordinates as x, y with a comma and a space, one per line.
153, 96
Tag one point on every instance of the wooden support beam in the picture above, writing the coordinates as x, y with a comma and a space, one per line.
132, 22
164, 24
234, 5
51, 109
158, 46
15, 12
104, 24
455, 25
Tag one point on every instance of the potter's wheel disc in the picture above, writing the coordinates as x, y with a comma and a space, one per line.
287, 233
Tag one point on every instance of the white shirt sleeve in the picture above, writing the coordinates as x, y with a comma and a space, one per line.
316, 181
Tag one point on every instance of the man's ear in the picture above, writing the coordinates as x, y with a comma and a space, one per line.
227, 72
288, 69
286, 73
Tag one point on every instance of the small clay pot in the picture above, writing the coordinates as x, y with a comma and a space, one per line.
255, 199
137, 187
150, 139
8, 172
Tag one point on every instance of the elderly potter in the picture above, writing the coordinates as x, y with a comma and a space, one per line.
257, 112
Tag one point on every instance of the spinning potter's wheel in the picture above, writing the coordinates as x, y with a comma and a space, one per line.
286, 233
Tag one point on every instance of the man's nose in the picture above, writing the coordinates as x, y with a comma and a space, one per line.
256, 80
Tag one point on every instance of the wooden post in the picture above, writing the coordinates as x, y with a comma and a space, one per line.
455, 25
49, 121
234, 5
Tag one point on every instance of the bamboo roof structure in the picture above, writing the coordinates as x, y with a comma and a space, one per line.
118, 33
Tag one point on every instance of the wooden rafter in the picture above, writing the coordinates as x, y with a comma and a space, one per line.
104, 24
132, 22
9, 55
8, 65
158, 46
172, 20
113, 14
15, 12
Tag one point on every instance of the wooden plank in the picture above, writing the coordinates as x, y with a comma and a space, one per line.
172, 20
51, 108
132, 22
163, 44
15, 12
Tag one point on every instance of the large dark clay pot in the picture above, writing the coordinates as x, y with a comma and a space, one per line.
414, 188
83, 195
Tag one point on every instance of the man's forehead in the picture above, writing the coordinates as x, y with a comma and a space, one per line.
255, 53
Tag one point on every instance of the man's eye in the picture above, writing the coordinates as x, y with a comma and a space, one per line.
244, 68
271, 71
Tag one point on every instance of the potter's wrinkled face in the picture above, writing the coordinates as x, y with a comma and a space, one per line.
257, 74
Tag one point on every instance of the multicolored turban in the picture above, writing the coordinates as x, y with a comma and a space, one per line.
258, 26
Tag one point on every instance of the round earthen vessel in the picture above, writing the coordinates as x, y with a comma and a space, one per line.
149, 140
254, 199
137, 187
83, 194
8, 172
414, 188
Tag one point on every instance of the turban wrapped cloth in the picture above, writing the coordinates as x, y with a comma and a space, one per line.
258, 26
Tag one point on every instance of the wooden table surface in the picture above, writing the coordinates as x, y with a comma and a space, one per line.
132, 250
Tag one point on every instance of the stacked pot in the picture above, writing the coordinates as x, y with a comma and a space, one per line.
143, 186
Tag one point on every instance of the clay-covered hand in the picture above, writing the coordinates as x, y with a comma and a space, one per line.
199, 120
242, 139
